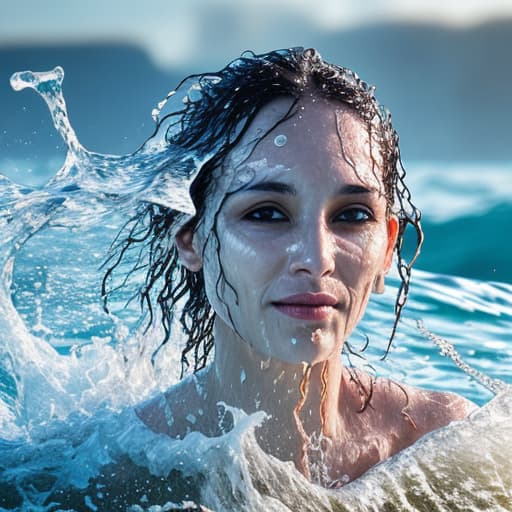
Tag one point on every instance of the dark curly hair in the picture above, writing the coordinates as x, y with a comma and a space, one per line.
215, 111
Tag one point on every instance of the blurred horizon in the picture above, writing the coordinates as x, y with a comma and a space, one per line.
446, 87
178, 33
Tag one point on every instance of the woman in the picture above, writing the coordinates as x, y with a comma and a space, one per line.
300, 205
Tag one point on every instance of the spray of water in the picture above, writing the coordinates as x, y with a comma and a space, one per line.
447, 349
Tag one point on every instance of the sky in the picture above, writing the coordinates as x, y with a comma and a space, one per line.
178, 31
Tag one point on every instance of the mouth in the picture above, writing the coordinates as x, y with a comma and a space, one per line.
308, 306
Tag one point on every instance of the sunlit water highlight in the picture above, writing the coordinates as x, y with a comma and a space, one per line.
70, 374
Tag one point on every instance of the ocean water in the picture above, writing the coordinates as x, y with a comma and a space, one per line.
70, 374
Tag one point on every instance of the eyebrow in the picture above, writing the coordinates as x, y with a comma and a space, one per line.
355, 189
272, 186
284, 188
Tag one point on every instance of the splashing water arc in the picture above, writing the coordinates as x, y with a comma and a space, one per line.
49, 86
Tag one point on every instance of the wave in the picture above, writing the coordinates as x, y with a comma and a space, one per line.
114, 462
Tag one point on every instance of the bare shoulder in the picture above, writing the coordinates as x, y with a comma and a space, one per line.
437, 408
424, 409
175, 411
158, 414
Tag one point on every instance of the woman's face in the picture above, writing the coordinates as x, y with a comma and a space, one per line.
303, 231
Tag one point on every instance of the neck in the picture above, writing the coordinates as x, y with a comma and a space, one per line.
300, 399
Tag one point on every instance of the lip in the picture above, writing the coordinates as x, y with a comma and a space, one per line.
307, 306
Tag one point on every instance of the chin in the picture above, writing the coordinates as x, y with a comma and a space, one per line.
302, 352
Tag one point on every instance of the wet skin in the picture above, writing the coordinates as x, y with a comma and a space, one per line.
305, 235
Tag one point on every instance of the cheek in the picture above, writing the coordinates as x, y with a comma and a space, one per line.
213, 278
361, 256
377, 246
248, 256
235, 248
249, 266
234, 273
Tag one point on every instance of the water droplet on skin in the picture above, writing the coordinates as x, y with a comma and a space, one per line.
191, 418
243, 376
195, 93
293, 248
279, 377
280, 140
316, 337
265, 365
293, 341
245, 176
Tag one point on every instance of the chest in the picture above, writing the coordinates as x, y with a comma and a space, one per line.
361, 443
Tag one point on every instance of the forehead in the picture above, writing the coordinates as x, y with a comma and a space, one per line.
320, 134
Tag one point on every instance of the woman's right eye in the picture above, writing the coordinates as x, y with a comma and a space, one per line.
265, 214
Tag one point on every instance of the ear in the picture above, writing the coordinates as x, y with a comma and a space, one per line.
393, 226
378, 284
189, 256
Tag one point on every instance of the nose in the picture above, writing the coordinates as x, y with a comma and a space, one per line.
314, 250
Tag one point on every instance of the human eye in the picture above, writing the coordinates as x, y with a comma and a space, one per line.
354, 215
265, 214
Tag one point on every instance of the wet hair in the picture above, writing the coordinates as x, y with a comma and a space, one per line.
216, 111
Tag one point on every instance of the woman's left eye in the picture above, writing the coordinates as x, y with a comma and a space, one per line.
354, 215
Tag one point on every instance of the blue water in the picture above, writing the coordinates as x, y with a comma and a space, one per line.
70, 373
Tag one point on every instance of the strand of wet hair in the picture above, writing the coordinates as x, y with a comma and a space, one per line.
365, 394
117, 252
348, 351
403, 411
197, 317
323, 398
303, 462
404, 268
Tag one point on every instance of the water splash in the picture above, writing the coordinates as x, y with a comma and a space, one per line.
447, 349
85, 203
153, 173
49, 86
